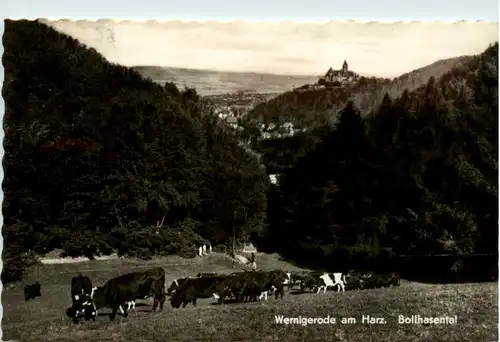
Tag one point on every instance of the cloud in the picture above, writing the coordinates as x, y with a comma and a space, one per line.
379, 49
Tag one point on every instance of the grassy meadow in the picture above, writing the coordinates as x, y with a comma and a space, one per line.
44, 318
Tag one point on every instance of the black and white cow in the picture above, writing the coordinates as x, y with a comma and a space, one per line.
81, 296
338, 280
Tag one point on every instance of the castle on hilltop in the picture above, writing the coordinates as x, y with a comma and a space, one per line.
332, 78
338, 77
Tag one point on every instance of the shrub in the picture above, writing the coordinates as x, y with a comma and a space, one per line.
16, 264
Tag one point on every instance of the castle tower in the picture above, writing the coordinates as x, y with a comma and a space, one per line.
329, 73
345, 67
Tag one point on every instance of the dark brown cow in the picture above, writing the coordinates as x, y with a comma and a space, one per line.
308, 280
128, 287
32, 291
194, 288
175, 285
382, 280
248, 286
354, 280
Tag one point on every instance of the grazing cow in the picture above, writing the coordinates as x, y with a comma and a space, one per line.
32, 291
279, 279
309, 280
175, 285
259, 283
131, 304
354, 280
367, 275
81, 296
265, 293
304, 280
382, 280
326, 281
294, 279
194, 288
232, 286
255, 285
128, 287
373, 282
288, 280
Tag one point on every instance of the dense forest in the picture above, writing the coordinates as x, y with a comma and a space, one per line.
96, 157
100, 160
418, 175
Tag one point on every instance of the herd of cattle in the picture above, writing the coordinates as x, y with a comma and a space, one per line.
121, 292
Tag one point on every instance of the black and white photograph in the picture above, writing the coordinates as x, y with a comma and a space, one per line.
250, 181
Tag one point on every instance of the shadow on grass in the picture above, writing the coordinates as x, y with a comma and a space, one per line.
104, 314
297, 292
70, 311
234, 301
226, 301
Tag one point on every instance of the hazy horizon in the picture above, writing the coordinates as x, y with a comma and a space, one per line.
281, 48
225, 71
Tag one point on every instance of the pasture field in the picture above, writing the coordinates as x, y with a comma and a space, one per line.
44, 318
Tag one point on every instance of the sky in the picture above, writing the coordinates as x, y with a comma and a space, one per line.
287, 47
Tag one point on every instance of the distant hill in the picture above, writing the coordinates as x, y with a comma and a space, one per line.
418, 77
306, 107
217, 83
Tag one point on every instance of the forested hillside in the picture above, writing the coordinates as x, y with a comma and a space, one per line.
313, 108
100, 160
419, 175
96, 156
318, 110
